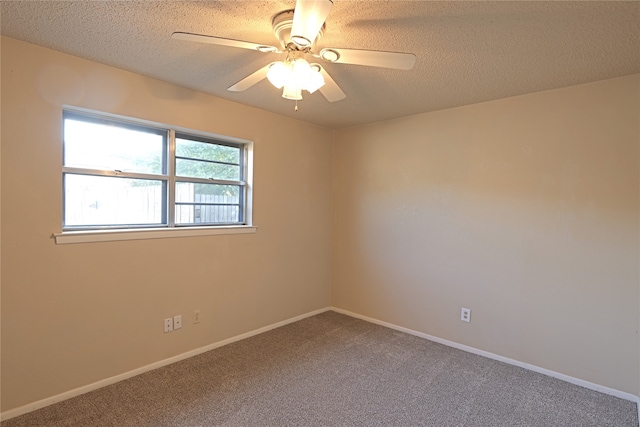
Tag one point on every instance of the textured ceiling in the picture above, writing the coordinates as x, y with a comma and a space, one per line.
467, 52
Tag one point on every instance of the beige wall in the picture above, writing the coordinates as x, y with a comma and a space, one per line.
524, 210
76, 314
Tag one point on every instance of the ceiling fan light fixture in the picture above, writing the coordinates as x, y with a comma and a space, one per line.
279, 74
295, 76
315, 80
292, 92
301, 69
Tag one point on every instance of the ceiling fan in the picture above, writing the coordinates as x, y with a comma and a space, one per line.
298, 30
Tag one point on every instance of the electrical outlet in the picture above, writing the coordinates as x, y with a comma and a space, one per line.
196, 316
465, 314
168, 325
177, 322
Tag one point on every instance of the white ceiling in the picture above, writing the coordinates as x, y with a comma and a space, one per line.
467, 52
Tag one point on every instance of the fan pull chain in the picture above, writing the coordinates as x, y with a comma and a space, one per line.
296, 109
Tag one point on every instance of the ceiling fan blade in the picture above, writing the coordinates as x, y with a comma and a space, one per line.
330, 90
251, 79
223, 42
373, 58
308, 19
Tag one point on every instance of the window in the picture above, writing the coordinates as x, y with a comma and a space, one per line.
127, 175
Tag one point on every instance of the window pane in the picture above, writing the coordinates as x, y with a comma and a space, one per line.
207, 160
196, 169
112, 147
97, 200
207, 203
207, 151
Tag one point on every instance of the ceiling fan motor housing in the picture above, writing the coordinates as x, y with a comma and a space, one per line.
282, 24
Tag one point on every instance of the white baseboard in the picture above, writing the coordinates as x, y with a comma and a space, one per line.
534, 368
117, 378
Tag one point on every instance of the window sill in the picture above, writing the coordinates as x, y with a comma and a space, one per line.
91, 236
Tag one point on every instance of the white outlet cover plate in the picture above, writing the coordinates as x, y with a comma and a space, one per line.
465, 314
177, 321
168, 325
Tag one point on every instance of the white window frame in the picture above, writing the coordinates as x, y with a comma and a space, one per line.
170, 229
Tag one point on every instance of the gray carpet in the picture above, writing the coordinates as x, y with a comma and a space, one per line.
334, 370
